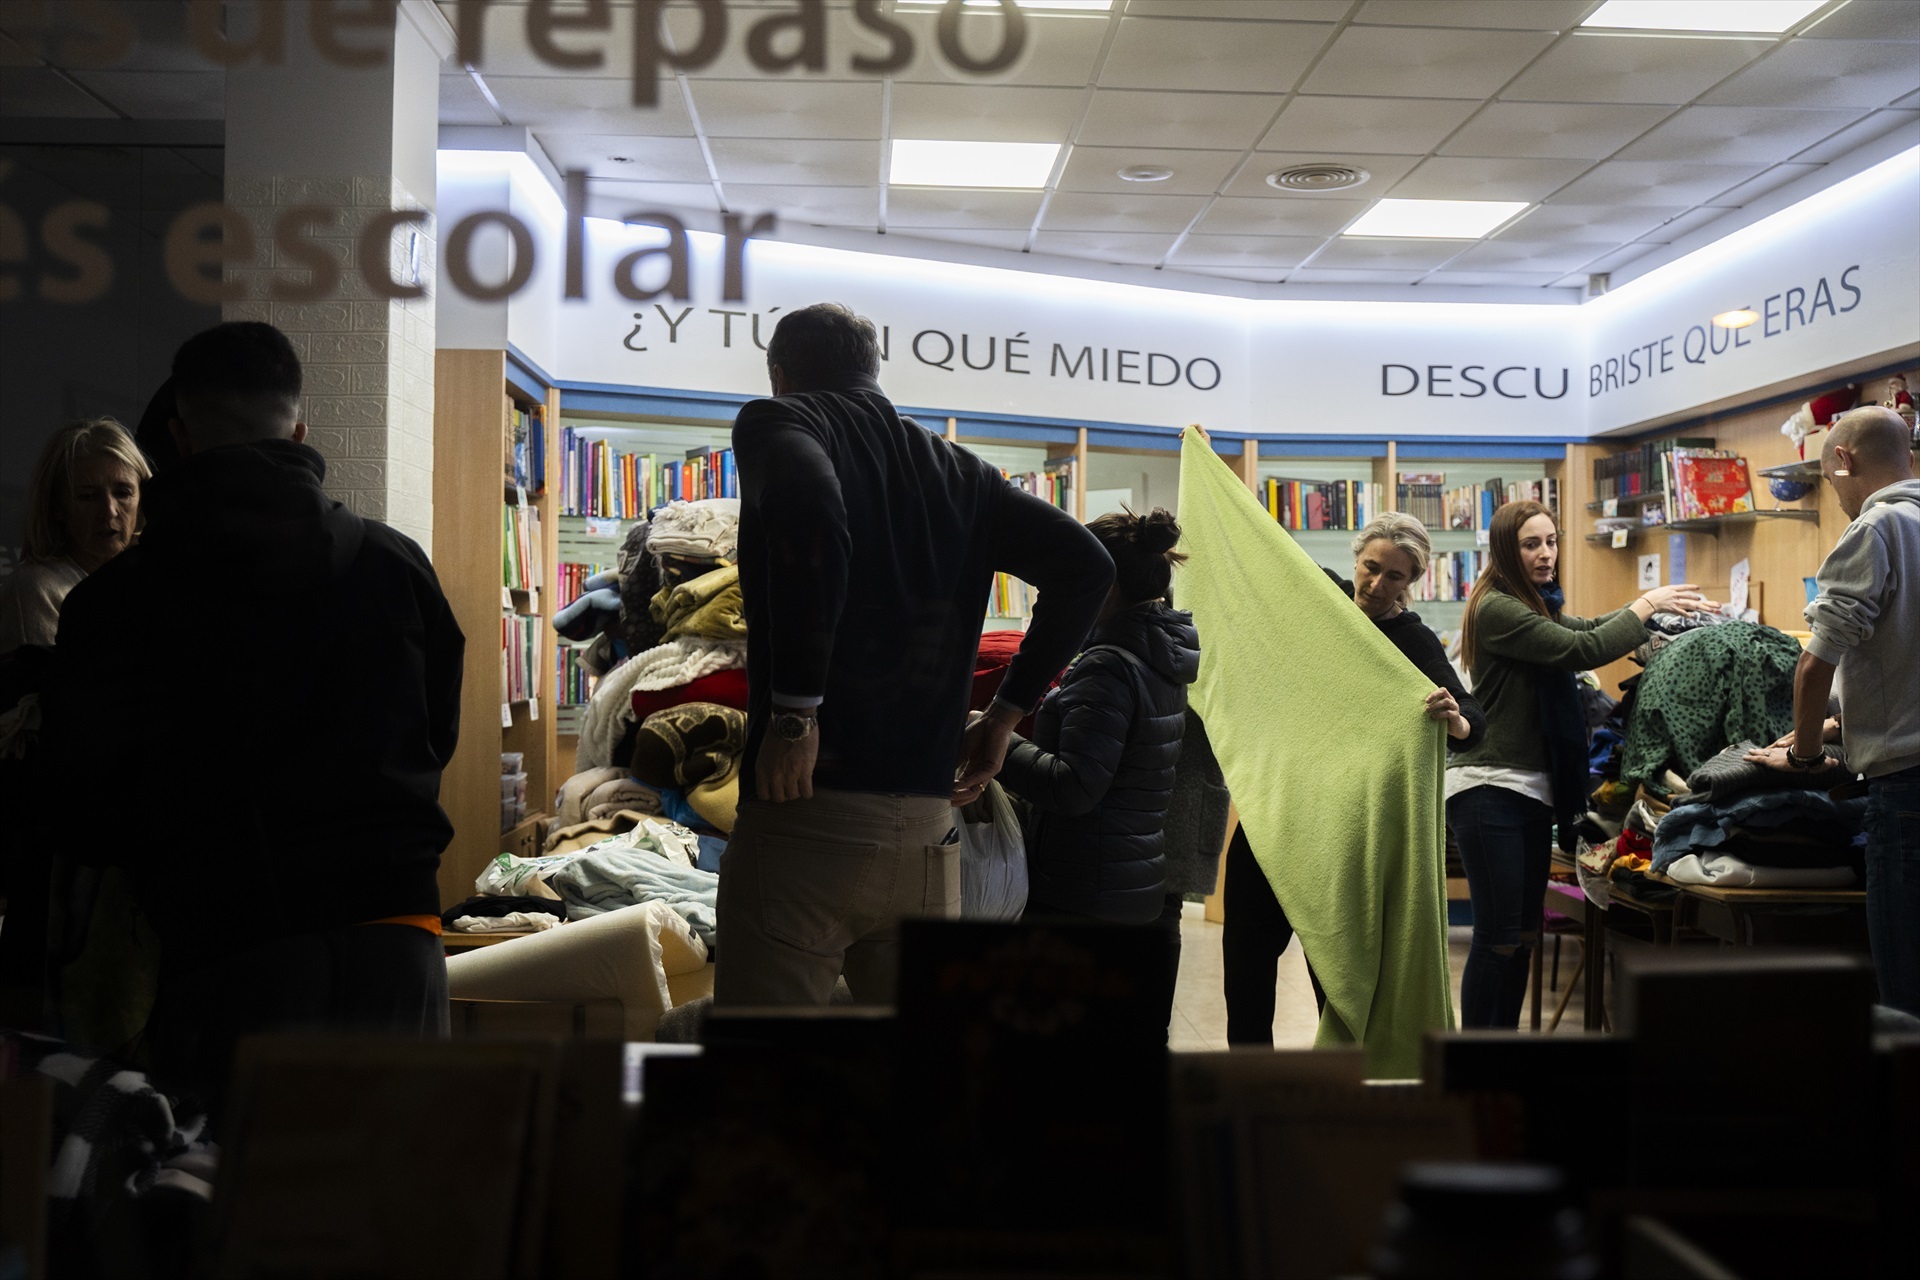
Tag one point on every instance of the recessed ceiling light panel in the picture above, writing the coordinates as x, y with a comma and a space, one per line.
1738, 318
1318, 177
1768, 16
1435, 219
919, 162
1144, 173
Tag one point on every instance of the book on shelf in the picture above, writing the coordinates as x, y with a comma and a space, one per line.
600, 479
1471, 507
1420, 494
1709, 482
1640, 470
519, 656
1011, 598
574, 683
1450, 575
520, 547
527, 448
1054, 485
1321, 504
573, 580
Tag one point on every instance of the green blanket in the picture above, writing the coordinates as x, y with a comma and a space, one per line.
1319, 726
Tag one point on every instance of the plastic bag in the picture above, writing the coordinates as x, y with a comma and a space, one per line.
993, 858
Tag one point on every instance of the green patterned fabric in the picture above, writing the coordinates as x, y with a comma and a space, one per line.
1705, 690
1319, 725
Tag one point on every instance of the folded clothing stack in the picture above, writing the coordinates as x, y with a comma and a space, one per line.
1745, 825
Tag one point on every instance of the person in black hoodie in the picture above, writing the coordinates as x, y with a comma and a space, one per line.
1099, 769
253, 706
1389, 555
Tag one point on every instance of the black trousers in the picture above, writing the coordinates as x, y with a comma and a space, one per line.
382, 979
1255, 935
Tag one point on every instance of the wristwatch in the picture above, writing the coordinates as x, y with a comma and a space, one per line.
793, 726
1802, 762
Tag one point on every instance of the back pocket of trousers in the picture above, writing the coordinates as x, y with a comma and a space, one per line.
809, 889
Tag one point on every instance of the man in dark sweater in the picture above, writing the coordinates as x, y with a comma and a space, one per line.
868, 547
257, 702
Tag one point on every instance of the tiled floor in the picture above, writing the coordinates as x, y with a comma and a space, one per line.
1200, 1009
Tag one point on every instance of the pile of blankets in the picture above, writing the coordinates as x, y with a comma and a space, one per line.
1745, 826
651, 861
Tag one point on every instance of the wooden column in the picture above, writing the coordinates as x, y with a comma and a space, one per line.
953, 428
1250, 464
1384, 472
1082, 473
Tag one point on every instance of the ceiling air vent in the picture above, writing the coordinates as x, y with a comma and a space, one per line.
1317, 177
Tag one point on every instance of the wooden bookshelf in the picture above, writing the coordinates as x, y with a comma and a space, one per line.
472, 405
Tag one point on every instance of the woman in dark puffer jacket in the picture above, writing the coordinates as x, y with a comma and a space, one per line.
1099, 770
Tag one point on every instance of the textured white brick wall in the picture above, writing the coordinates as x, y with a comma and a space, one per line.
368, 361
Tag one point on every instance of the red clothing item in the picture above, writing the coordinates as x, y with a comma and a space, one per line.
728, 688
990, 667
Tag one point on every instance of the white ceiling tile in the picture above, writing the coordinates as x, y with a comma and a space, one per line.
1613, 262
1732, 135
1163, 53
162, 42
1279, 215
614, 199
1825, 73
1061, 49
648, 159
1322, 275
1682, 225
1654, 182
961, 207
1384, 171
983, 113
1591, 66
461, 102
1279, 252
1877, 125
1011, 241
1126, 211
1243, 10
1251, 274
1586, 223
1131, 248
588, 105
1195, 173
789, 162
1423, 62
1556, 259
1366, 253
1131, 117
1484, 178
1869, 20
1568, 131
774, 109
1385, 126
814, 206
1495, 279
35, 92
1910, 100
161, 95
845, 39
1510, 15
1772, 180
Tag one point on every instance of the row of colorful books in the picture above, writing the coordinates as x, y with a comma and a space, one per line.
1472, 506
520, 656
1322, 504
600, 479
1450, 576
1054, 485
573, 579
1011, 598
527, 448
573, 683
520, 547
1640, 470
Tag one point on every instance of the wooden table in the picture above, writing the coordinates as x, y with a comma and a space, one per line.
1732, 915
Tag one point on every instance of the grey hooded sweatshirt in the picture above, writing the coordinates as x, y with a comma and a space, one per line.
1866, 621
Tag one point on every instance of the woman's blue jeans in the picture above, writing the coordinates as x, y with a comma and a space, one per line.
1505, 842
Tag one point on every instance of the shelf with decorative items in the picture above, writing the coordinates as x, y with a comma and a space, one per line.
1714, 524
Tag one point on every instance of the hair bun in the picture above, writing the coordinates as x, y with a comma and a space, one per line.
1158, 532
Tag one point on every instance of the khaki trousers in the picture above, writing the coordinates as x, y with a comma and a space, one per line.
811, 889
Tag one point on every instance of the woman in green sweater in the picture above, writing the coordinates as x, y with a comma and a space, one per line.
1505, 794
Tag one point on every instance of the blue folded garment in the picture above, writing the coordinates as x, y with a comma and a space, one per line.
608, 581
1691, 828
